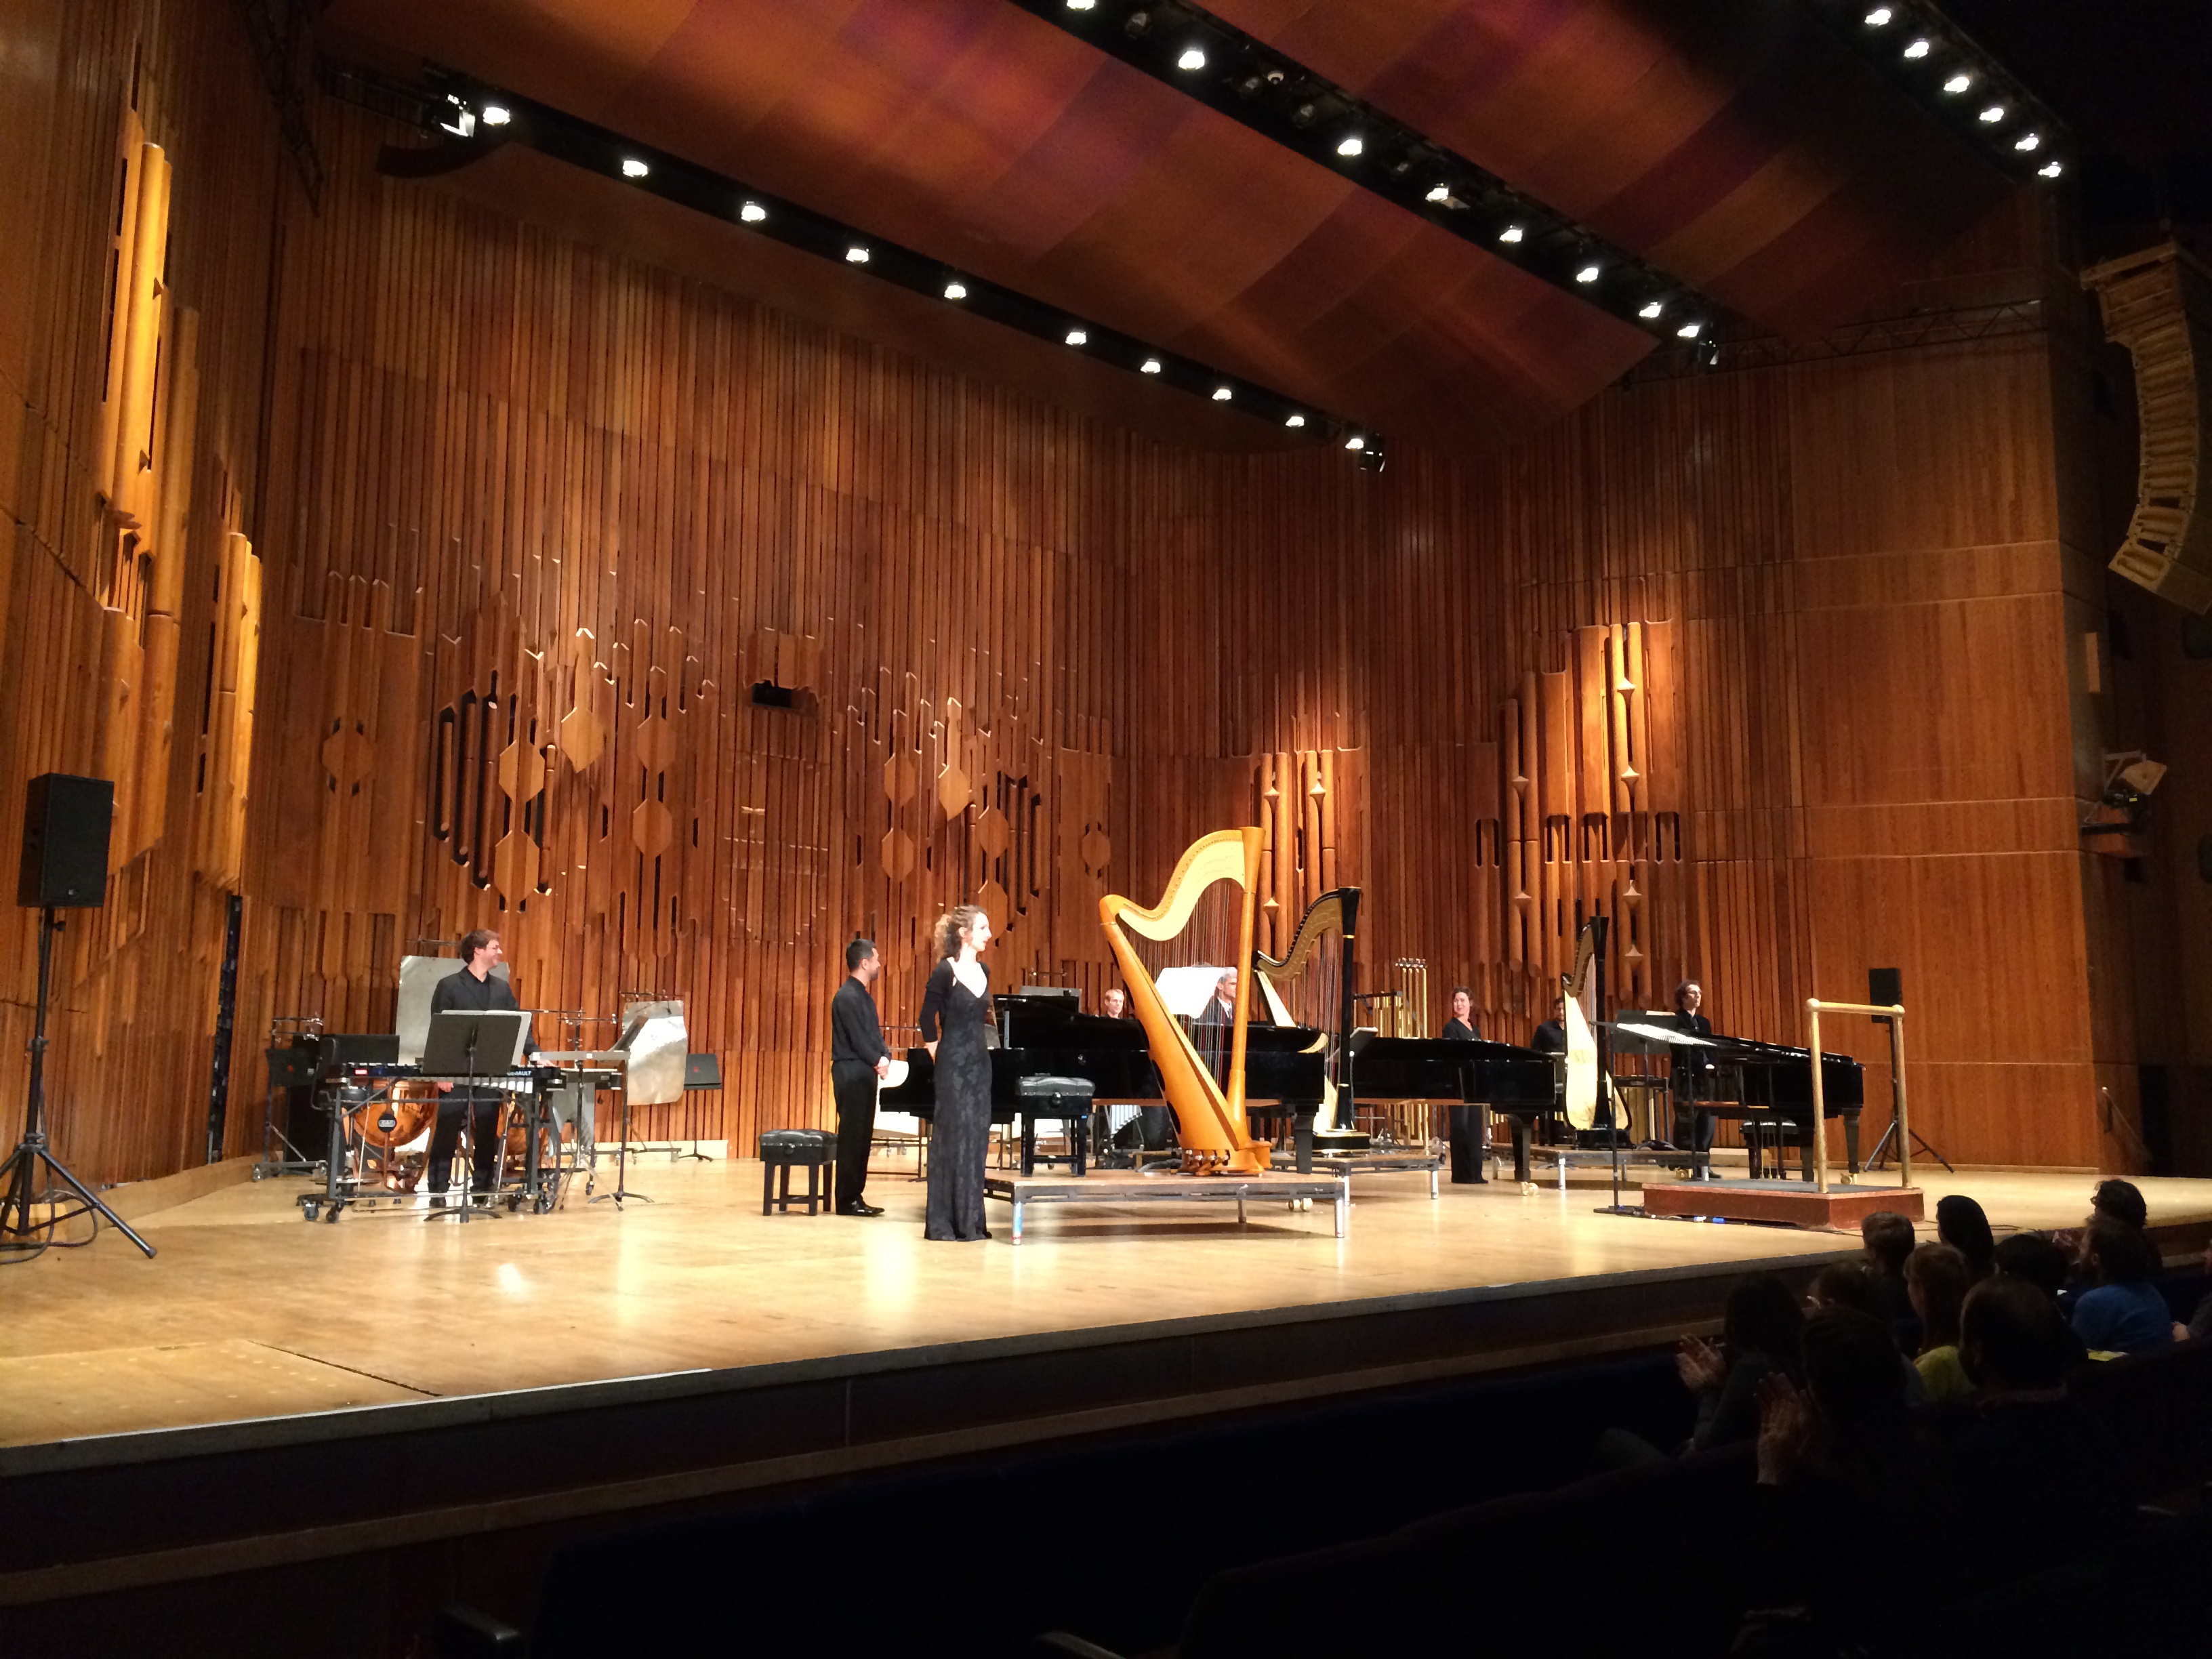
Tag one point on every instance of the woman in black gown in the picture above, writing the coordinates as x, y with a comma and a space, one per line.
1466, 1121
955, 1010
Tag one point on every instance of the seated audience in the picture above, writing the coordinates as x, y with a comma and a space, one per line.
1935, 1277
2123, 1201
1848, 1285
1961, 1224
2027, 1450
2035, 1259
1760, 1328
2123, 1311
1889, 1238
1758, 1340
1842, 1461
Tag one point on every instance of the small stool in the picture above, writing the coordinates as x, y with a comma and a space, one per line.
1064, 1099
781, 1149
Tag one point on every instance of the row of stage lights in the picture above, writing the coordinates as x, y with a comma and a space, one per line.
484, 116
1943, 67
1228, 70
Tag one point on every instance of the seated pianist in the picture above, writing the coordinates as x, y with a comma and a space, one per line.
1551, 1036
1128, 1128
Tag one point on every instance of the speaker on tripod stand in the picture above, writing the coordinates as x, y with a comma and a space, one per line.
66, 822
1886, 989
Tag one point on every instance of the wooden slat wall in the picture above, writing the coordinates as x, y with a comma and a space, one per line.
536, 520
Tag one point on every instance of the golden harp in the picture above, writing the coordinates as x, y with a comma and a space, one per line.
1209, 1120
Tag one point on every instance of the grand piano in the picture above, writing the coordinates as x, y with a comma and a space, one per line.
1769, 1086
1517, 1083
1047, 1036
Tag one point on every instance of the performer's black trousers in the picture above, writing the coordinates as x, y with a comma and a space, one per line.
1466, 1144
854, 1084
445, 1141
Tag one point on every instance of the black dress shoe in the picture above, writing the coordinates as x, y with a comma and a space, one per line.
857, 1209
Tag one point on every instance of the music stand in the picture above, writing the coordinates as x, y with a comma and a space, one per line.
469, 1043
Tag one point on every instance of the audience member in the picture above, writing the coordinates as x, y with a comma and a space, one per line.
2036, 1259
1888, 1238
1758, 1338
2123, 1201
1935, 1277
1961, 1224
1843, 1284
1760, 1328
2123, 1311
1842, 1460
2026, 1449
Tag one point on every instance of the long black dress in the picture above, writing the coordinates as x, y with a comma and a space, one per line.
1466, 1121
954, 1017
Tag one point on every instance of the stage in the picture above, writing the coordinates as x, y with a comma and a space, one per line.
390, 1376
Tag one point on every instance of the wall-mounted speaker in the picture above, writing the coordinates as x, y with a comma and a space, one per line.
66, 822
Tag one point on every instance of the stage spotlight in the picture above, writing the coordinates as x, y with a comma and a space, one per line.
856, 256
1350, 147
1150, 366
1076, 337
1650, 310
1371, 458
634, 168
1689, 331
956, 290
1993, 114
2049, 170
1302, 116
1439, 194
1879, 17
496, 115
752, 213
1918, 48
1192, 59
1587, 274
1221, 394
1081, 5
1958, 83
1138, 25
2027, 141
1708, 353
1355, 441
1510, 233
1295, 420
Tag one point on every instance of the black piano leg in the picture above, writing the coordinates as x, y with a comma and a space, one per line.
1029, 1144
1851, 1142
1302, 1128
1078, 1140
1521, 1131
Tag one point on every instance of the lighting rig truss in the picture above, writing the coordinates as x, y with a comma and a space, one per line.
1946, 71
475, 118
1227, 69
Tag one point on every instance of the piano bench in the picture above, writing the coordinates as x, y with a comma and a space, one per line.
781, 1151
1066, 1099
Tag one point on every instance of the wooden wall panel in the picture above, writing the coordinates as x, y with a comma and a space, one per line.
1764, 663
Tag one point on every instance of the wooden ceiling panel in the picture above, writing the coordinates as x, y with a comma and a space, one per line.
1648, 122
978, 135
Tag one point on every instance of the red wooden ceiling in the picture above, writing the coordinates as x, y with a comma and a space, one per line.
981, 135
1737, 145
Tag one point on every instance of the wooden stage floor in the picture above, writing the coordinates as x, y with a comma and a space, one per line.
250, 1313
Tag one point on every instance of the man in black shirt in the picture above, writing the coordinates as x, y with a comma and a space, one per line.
1692, 1072
858, 1061
474, 988
1551, 1037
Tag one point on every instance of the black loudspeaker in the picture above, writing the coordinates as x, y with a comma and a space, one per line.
1885, 987
66, 822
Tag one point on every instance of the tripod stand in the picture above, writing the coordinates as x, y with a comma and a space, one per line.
1881, 1148
30, 1163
